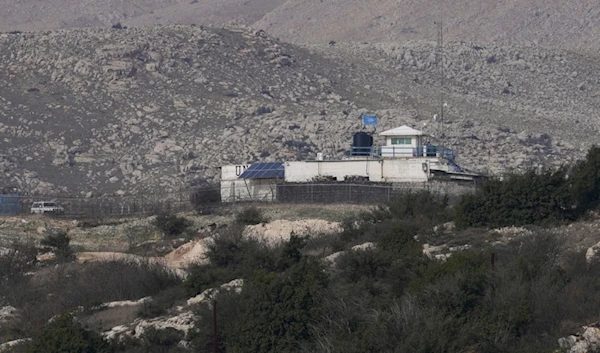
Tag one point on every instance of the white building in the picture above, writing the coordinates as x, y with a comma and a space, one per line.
403, 141
246, 182
406, 157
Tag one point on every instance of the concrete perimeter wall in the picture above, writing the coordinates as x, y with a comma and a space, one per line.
382, 170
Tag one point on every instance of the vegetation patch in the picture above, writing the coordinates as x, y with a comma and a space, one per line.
250, 216
172, 225
550, 197
58, 241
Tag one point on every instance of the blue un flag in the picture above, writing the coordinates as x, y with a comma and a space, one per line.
369, 120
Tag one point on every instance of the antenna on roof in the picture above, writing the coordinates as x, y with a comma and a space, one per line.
440, 65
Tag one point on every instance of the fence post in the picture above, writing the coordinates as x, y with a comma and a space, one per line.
349, 193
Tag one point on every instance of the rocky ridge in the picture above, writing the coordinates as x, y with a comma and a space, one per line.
103, 111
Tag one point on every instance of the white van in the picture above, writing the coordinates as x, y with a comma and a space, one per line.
42, 207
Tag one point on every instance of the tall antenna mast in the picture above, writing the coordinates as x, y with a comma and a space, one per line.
440, 66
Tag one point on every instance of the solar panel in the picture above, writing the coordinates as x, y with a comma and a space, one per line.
264, 171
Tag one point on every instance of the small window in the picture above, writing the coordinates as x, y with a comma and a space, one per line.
402, 141
49, 204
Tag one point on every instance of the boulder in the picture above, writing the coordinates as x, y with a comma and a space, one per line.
182, 322
7, 313
332, 258
591, 254
364, 246
586, 342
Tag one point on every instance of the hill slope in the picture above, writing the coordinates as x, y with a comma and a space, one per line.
51, 14
109, 110
54, 14
574, 24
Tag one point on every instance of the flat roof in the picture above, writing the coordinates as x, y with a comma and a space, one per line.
402, 131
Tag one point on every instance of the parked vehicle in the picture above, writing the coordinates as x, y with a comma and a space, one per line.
42, 207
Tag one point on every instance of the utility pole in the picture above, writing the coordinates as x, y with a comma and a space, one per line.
215, 339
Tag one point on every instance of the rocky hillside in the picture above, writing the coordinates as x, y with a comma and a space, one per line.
119, 111
54, 14
573, 24
208, 12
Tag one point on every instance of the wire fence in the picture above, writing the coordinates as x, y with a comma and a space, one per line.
111, 206
208, 199
363, 193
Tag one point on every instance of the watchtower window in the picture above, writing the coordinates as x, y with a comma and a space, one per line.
402, 141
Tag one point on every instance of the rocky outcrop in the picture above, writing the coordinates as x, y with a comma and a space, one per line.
442, 252
332, 258
205, 297
7, 313
586, 342
7, 346
181, 319
591, 254
279, 231
181, 322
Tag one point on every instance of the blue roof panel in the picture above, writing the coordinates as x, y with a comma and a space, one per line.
264, 171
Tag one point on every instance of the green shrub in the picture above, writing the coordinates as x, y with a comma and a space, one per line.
353, 227
458, 285
355, 265
64, 335
415, 212
162, 302
542, 198
69, 286
58, 241
232, 256
395, 235
228, 246
167, 337
172, 225
529, 198
324, 245
251, 215
276, 309
586, 181
421, 205
18, 258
